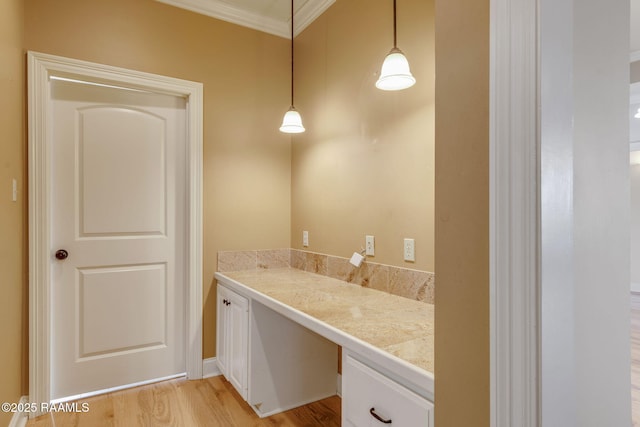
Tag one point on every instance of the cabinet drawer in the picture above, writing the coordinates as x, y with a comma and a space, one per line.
367, 393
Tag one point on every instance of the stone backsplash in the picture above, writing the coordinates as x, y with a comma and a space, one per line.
405, 282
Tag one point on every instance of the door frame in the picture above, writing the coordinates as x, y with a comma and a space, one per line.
528, 197
514, 214
41, 67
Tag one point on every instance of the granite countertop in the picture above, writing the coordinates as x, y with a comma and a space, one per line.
399, 326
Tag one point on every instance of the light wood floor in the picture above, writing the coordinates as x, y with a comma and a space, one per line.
214, 402
210, 402
635, 358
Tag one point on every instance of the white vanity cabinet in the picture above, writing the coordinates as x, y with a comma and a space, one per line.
273, 362
287, 349
232, 337
370, 398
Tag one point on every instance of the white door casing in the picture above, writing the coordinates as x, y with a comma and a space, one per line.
514, 214
539, 49
118, 207
42, 68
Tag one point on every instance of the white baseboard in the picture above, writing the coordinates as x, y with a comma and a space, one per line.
635, 287
19, 419
210, 368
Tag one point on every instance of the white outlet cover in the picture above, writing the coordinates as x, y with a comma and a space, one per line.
370, 245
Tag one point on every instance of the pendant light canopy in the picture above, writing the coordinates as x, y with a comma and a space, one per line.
395, 73
292, 122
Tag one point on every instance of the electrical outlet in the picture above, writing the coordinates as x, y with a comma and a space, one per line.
305, 239
409, 250
370, 245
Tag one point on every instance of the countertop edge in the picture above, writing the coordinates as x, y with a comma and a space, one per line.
391, 365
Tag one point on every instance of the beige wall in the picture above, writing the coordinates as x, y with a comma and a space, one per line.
359, 133
462, 213
634, 70
365, 165
246, 159
13, 257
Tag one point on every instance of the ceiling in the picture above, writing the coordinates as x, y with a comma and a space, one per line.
270, 16
273, 17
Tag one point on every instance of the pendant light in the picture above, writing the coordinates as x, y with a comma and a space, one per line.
292, 122
395, 73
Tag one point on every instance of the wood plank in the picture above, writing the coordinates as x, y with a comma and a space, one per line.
209, 402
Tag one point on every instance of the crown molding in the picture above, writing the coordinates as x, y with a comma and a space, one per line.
308, 13
218, 9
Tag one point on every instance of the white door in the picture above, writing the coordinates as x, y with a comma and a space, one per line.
118, 210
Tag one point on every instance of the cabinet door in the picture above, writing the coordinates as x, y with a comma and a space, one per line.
222, 351
237, 339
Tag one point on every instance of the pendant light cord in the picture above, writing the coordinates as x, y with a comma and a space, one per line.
395, 42
292, 53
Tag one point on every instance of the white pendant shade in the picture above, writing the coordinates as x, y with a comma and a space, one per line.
292, 122
395, 73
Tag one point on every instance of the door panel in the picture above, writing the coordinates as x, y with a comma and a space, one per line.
222, 326
133, 200
118, 208
238, 330
103, 314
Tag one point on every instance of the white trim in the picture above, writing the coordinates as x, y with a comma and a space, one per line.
222, 10
308, 13
634, 56
210, 368
514, 282
40, 68
19, 419
118, 388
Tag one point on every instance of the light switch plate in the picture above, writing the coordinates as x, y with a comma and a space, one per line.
409, 250
305, 238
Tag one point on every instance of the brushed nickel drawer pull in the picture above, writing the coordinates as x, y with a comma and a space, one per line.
372, 411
